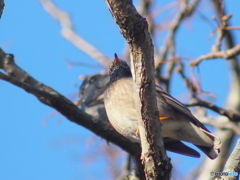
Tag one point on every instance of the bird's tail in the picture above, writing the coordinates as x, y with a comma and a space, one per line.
179, 148
213, 151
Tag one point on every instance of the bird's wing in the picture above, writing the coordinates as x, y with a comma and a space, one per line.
179, 107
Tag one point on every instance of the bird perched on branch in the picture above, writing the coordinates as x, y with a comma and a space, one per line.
178, 123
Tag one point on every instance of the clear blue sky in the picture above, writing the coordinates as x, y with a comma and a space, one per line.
31, 149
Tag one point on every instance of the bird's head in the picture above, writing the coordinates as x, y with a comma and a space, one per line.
119, 69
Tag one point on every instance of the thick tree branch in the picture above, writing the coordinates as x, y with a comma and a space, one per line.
47, 95
135, 30
145, 10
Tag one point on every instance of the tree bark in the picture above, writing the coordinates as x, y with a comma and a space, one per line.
134, 28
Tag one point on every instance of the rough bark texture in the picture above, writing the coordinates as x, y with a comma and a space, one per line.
233, 163
135, 30
48, 96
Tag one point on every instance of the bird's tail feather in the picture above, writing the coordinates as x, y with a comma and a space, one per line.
180, 148
211, 152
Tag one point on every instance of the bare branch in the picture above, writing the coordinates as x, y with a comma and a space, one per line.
232, 28
69, 33
229, 39
192, 86
186, 10
144, 9
219, 122
221, 125
221, 28
233, 116
219, 54
233, 102
233, 163
2, 4
47, 95
135, 30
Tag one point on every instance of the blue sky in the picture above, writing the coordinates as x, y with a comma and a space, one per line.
38, 143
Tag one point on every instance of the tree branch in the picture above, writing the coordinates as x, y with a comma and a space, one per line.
218, 54
69, 33
2, 4
231, 115
233, 163
218, 122
47, 95
233, 102
186, 10
135, 30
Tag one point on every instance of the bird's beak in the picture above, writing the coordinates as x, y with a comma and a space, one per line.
116, 59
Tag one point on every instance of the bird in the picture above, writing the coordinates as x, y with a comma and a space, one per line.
91, 96
178, 123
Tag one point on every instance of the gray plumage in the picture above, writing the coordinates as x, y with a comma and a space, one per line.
180, 124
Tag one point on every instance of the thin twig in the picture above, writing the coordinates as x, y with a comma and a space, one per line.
219, 123
186, 10
219, 54
232, 28
2, 4
232, 116
232, 102
193, 87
